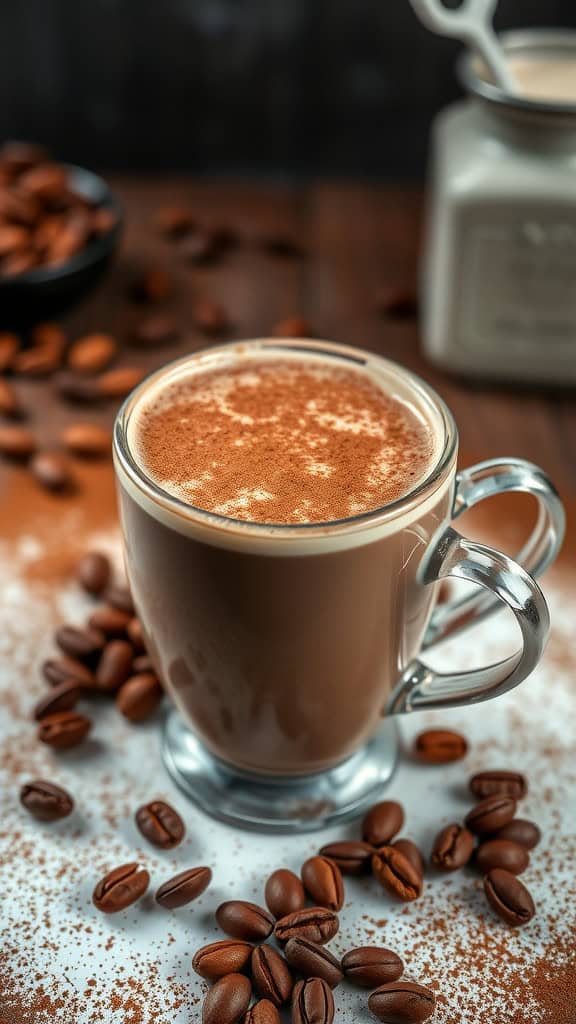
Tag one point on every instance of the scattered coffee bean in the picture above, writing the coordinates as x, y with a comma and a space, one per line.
120, 597
143, 663
154, 285
312, 1002
92, 353
120, 888
115, 665
52, 471
244, 920
139, 696
293, 327
271, 975
87, 440
76, 388
526, 833
93, 572
370, 966
227, 1001
175, 221
13, 238
9, 405
160, 824
119, 382
440, 746
509, 897
396, 874
284, 893
353, 858
103, 220
9, 346
49, 336
411, 852
136, 634
262, 1012
453, 848
183, 888
46, 801
63, 670
323, 882
46, 181
17, 443
313, 961
210, 317
485, 784
382, 823
61, 698
220, 958
402, 1002
64, 729
111, 621
39, 361
491, 814
317, 924
155, 331
397, 302
502, 853
82, 643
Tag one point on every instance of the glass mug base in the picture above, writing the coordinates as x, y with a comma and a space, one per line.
279, 804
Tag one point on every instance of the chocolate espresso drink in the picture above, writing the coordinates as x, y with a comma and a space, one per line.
277, 508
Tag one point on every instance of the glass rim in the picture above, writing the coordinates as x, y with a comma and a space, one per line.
125, 459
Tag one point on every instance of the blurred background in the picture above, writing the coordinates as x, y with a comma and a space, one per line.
234, 86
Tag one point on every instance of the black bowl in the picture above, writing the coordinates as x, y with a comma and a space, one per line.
49, 291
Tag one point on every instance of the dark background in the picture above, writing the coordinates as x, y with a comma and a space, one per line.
266, 86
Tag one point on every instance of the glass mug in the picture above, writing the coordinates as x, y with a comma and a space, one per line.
289, 649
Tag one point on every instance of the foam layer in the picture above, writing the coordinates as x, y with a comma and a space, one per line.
282, 441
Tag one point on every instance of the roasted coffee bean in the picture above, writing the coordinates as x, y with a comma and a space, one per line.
440, 746
154, 285
120, 597
382, 822
92, 353
136, 634
18, 263
155, 331
9, 404
411, 852
397, 302
64, 729
93, 572
76, 388
17, 443
9, 346
396, 874
402, 1002
63, 670
243, 920
293, 327
210, 317
491, 814
35, 362
317, 924
227, 1001
119, 382
509, 897
502, 853
82, 643
46, 801
52, 471
353, 858
160, 824
453, 848
520, 831
263, 1012
370, 966
313, 961
18, 207
284, 893
175, 221
120, 888
13, 238
49, 336
45, 182
312, 1002
115, 665
139, 697
109, 620
183, 888
61, 698
323, 882
103, 221
485, 784
143, 663
87, 440
220, 958
271, 975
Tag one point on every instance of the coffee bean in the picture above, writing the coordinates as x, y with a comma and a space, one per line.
440, 746
396, 874
271, 975
402, 1002
9, 346
284, 893
210, 317
38, 361
453, 848
9, 404
45, 182
103, 220
243, 920
220, 958
17, 443
160, 824
154, 285
509, 897
136, 634
82, 643
115, 665
323, 882
411, 852
139, 696
18, 263
317, 924
312, 1002
62, 670
293, 327
109, 620
119, 382
502, 853
263, 1012
61, 698
92, 353
87, 440
155, 331
485, 784
183, 888
143, 663
370, 966
175, 221
525, 833
227, 1001
93, 572
120, 888
64, 729
76, 388
120, 597
491, 814
203, 248
382, 822
46, 801
313, 961
353, 858
12, 238
18, 207
52, 471
397, 302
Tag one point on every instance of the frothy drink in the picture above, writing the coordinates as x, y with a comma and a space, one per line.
279, 508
